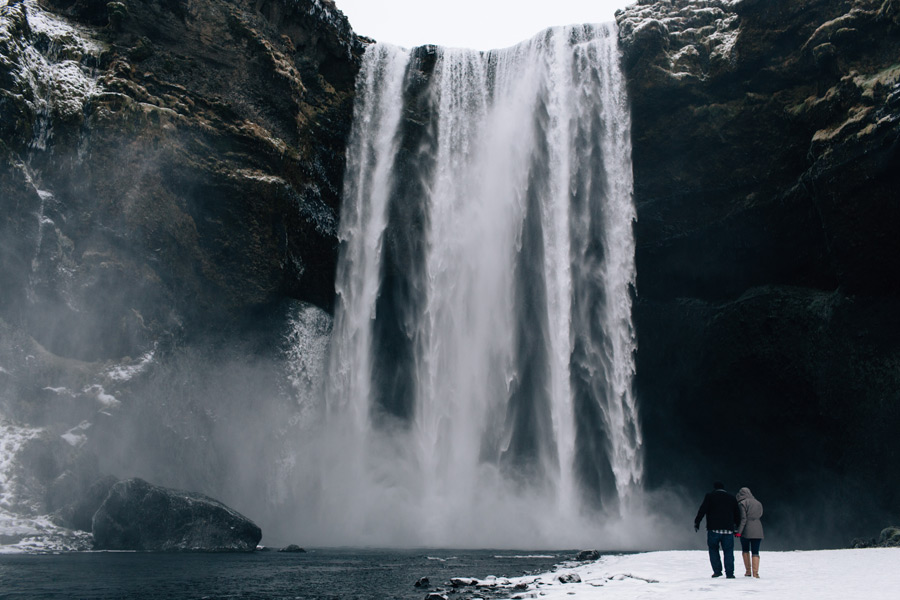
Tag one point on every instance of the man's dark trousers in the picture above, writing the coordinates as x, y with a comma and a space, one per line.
713, 540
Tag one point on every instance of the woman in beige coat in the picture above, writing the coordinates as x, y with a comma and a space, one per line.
750, 530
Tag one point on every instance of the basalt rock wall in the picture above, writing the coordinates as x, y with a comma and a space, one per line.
170, 181
168, 167
768, 296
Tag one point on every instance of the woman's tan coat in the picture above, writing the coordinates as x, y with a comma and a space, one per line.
751, 512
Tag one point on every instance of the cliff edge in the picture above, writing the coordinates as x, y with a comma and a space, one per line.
768, 309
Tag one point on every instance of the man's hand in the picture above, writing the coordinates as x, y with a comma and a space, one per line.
696, 527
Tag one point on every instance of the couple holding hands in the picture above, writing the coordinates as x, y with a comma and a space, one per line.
728, 517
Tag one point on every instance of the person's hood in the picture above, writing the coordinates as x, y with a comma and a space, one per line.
743, 494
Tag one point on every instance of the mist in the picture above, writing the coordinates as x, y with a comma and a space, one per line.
451, 361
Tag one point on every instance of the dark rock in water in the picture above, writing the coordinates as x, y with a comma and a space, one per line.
587, 555
292, 548
137, 515
463, 581
79, 513
422, 582
434, 596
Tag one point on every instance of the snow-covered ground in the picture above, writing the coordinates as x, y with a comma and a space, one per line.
870, 573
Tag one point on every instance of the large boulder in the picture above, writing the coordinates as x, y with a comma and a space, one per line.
137, 515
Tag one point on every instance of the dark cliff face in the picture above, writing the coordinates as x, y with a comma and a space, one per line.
193, 177
766, 139
170, 181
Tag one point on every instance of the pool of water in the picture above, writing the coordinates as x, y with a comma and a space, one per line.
314, 575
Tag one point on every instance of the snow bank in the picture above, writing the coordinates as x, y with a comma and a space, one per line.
823, 574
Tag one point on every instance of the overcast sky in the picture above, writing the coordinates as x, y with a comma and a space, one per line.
478, 24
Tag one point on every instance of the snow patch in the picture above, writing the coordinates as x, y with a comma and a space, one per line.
39, 535
60, 32
58, 75
76, 436
685, 575
12, 440
126, 372
59, 391
107, 400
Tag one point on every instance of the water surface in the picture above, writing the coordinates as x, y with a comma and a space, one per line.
314, 575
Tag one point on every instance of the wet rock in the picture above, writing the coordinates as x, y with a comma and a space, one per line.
81, 504
890, 537
422, 582
588, 555
292, 548
139, 516
569, 578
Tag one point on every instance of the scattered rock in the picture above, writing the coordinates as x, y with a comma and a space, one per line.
422, 582
434, 596
889, 538
587, 555
569, 578
463, 581
137, 515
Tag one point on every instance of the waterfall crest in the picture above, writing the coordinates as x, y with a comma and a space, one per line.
480, 372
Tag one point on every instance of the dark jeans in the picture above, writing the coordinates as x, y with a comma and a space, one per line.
727, 541
749, 544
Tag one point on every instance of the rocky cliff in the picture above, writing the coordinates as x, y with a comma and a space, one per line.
187, 156
170, 177
768, 318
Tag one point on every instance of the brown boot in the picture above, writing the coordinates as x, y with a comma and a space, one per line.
746, 557
756, 566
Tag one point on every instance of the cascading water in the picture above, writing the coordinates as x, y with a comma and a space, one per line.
479, 387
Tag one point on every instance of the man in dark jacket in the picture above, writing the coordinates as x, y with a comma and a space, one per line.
722, 519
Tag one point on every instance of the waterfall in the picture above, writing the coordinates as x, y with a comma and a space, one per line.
479, 384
